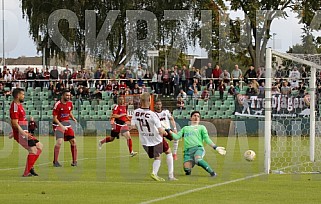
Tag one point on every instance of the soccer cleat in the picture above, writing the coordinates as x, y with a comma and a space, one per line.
213, 174
156, 178
74, 163
28, 175
32, 171
175, 156
132, 154
99, 145
56, 164
172, 179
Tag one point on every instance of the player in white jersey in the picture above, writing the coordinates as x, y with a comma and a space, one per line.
167, 120
150, 135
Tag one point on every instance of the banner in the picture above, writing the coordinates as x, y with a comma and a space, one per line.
282, 105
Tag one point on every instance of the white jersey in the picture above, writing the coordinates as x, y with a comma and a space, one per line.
164, 117
147, 123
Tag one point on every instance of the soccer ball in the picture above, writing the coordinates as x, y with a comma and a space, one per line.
249, 155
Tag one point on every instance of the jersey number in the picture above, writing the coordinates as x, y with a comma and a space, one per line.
143, 123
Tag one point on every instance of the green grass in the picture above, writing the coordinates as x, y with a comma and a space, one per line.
111, 176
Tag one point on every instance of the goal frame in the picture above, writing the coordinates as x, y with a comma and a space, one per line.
268, 105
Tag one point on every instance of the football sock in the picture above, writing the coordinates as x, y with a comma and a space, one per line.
31, 159
130, 145
204, 165
74, 152
156, 165
56, 152
106, 140
175, 146
170, 165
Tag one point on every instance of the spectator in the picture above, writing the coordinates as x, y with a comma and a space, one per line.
208, 72
231, 91
180, 103
176, 81
191, 89
251, 91
147, 78
304, 75
216, 75
46, 76
182, 94
184, 77
136, 90
225, 77
261, 89
31, 76
144, 88
294, 77
211, 86
97, 73
221, 89
249, 74
160, 83
205, 95
166, 83
114, 96
236, 74
154, 83
54, 73
286, 88
32, 125
109, 87
139, 73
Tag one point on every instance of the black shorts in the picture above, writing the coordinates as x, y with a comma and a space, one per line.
154, 151
33, 142
114, 133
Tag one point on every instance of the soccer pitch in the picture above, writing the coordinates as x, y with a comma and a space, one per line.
111, 176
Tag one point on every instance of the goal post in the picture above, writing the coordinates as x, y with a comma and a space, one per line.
288, 152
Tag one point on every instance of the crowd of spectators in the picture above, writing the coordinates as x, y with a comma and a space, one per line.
174, 82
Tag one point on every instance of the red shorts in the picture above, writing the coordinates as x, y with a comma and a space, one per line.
120, 128
24, 142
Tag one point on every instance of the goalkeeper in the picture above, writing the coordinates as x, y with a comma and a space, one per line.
194, 135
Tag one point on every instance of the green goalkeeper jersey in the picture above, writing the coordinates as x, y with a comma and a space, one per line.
194, 135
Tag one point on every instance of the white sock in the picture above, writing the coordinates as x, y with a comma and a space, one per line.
156, 166
175, 146
170, 165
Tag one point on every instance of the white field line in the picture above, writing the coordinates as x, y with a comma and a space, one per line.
48, 163
202, 188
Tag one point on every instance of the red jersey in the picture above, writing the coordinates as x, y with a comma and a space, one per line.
216, 73
120, 109
62, 111
17, 112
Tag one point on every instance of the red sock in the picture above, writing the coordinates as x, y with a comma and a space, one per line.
106, 140
56, 153
31, 160
38, 153
130, 145
73, 152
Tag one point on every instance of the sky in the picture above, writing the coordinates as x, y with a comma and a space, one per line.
19, 43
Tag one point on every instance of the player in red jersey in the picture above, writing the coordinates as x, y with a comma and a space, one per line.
20, 132
119, 126
62, 112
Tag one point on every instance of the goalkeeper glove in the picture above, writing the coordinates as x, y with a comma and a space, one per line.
220, 150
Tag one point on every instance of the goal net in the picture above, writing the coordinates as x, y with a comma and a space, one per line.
292, 128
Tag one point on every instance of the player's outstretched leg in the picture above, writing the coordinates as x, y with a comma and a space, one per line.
202, 163
106, 140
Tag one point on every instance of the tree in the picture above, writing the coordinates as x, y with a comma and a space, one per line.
257, 27
116, 47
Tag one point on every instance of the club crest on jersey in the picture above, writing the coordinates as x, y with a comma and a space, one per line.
69, 108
